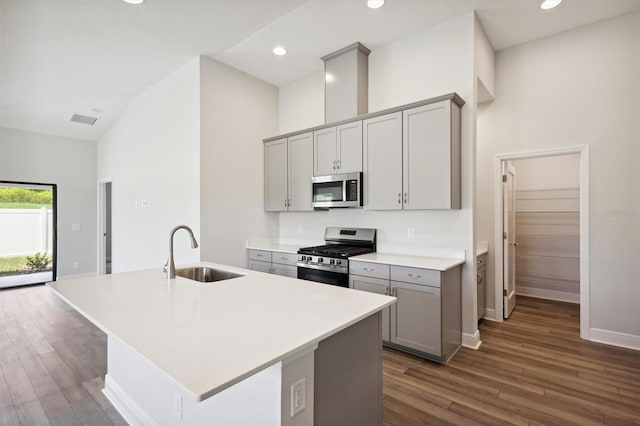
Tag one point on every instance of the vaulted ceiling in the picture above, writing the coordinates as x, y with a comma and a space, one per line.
60, 57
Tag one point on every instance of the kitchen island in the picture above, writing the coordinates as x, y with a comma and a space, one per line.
257, 349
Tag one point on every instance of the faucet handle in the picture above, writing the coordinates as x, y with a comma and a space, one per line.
166, 266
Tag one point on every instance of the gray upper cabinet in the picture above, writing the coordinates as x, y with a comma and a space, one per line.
300, 172
275, 173
288, 166
338, 149
382, 162
431, 157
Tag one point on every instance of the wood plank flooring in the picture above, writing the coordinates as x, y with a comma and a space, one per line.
52, 363
532, 369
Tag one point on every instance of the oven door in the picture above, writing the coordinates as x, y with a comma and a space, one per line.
326, 277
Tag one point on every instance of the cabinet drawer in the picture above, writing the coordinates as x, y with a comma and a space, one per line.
366, 269
262, 255
285, 270
482, 260
256, 265
415, 276
284, 258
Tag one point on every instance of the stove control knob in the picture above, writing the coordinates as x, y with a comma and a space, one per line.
338, 262
320, 260
331, 262
303, 258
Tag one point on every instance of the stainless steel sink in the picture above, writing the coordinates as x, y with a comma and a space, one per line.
205, 274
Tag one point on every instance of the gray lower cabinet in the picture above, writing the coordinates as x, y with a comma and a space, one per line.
278, 263
426, 320
374, 285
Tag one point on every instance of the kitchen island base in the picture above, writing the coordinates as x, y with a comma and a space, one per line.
343, 376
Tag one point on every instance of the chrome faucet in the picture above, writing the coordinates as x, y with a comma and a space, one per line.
170, 267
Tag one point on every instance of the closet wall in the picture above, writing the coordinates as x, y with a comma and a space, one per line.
548, 227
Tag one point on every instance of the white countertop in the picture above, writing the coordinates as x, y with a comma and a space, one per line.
435, 263
209, 336
273, 246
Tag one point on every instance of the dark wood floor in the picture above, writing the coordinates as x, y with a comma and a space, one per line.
532, 369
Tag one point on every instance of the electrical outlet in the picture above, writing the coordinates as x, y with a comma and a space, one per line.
177, 405
298, 396
76, 264
411, 234
75, 227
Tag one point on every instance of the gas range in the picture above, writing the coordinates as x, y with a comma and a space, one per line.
329, 263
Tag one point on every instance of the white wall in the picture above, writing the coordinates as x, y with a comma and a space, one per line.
301, 104
237, 112
152, 153
558, 172
578, 88
71, 164
430, 63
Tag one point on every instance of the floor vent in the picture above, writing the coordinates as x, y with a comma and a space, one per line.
83, 119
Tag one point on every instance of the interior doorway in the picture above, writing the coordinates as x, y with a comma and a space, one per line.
105, 188
536, 214
28, 224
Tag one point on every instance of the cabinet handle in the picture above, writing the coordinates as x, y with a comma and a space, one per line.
399, 198
334, 164
414, 275
393, 291
406, 198
338, 164
368, 269
258, 255
283, 258
386, 291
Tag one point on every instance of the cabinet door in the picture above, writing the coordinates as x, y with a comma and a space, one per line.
300, 171
426, 147
382, 167
349, 158
275, 175
373, 285
415, 318
285, 270
324, 152
256, 265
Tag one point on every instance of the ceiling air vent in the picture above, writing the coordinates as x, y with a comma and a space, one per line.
83, 119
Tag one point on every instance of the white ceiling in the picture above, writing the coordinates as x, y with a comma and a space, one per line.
60, 57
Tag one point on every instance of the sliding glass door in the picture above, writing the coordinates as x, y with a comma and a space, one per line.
27, 233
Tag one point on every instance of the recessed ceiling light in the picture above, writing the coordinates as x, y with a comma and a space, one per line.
550, 4
279, 50
374, 4
133, 1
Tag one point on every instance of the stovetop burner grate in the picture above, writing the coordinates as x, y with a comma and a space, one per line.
336, 250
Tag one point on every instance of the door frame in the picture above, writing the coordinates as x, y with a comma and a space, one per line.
102, 224
583, 151
510, 262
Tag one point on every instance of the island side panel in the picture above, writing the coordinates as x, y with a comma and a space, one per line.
348, 376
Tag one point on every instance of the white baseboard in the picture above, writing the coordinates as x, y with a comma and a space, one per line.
615, 338
471, 341
560, 296
127, 407
490, 314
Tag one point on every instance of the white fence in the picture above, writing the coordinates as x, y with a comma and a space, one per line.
24, 232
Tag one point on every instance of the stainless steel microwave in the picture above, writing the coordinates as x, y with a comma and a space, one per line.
344, 190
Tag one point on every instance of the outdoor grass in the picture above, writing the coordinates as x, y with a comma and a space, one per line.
5, 205
12, 265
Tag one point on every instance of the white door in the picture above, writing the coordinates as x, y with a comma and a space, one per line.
509, 237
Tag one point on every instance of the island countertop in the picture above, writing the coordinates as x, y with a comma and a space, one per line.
210, 336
